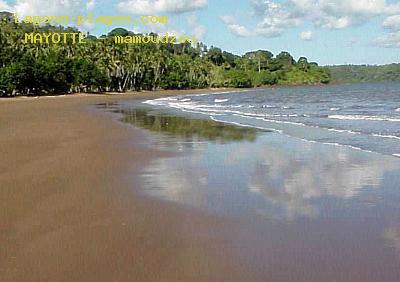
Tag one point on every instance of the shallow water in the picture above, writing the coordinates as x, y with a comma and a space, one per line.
364, 116
236, 170
309, 211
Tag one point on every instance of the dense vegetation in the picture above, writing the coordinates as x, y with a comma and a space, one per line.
364, 73
101, 65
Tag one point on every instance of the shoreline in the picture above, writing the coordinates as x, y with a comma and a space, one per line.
68, 212
122, 96
162, 92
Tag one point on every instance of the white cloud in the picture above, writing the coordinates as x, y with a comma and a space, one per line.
4, 7
306, 35
235, 28
391, 40
198, 30
392, 23
275, 17
151, 7
340, 13
274, 21
53, 8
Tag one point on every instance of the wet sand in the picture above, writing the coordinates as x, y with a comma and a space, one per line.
68, 212
303, 211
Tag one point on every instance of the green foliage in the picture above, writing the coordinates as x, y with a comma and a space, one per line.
229, 58
101, 65
87, 76
237, 79
265, 77
118, 32
312, 75
54, 72
215, 56
285, 61
260, 59
365, 73
16, 77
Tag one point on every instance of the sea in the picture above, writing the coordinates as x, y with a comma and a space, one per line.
361, 116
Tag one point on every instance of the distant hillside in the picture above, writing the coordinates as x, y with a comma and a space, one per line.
364, 73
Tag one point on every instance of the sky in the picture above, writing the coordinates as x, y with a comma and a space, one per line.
329, 32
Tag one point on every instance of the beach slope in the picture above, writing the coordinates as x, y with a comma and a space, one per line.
68, 212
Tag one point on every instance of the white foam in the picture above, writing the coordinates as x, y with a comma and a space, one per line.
223, 92
397, 110
386, 136
348, 146
298, 138
221, 100
315, 126
360, 117
217, 109
344, 131
285, 122
246, 125
55, 96
268, 106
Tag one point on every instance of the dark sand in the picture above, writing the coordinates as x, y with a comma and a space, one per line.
68, 214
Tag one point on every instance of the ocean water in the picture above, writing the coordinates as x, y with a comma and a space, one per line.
310, 174
361, 116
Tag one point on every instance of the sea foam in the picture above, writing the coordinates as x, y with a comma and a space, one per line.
360, 117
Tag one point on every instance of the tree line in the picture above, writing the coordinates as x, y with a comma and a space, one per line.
101, 65
364, 73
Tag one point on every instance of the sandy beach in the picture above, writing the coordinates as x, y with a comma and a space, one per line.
107, 188
68, 213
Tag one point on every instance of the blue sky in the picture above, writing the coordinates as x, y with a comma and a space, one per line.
325, 31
